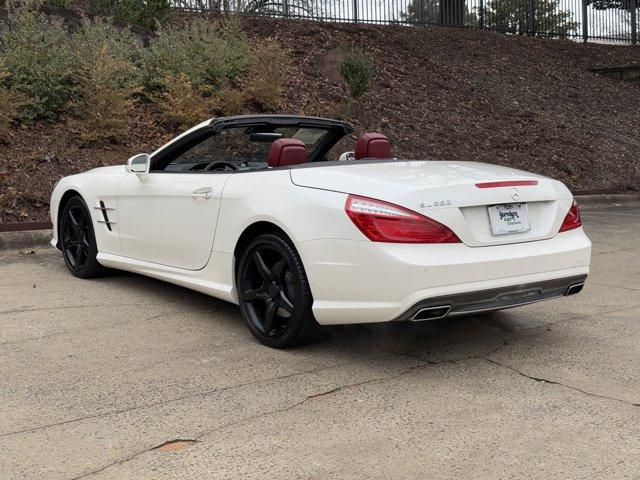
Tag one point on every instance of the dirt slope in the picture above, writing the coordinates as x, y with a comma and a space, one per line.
451, 94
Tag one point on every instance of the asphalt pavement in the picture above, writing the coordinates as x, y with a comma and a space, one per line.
126, 377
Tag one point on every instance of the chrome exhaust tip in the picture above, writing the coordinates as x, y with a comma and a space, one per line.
573, 289
431, 313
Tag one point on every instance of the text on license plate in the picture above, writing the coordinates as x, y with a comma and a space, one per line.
509, 218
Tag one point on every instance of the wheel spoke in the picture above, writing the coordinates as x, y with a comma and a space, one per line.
255, 294
74, 221
279, 267
71, 258
272, 308
263, 270
285, 303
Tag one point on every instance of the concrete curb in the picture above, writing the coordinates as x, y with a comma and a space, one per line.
588, 202
25, 240
41, 238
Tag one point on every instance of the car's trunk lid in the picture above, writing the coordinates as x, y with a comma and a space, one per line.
448, 193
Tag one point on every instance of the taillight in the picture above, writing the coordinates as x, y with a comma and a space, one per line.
572, 220
385, 222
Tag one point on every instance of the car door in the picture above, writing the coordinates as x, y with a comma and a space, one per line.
169, 215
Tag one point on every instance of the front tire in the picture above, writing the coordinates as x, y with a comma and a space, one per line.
78, 240
273, 292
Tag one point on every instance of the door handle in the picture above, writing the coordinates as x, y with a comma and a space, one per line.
202, 193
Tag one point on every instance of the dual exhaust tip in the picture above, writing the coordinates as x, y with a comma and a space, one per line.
441, 311
431, 313
573, 289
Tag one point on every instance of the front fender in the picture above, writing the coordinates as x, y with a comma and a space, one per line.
93, 186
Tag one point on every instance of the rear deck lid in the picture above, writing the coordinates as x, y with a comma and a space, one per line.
457, 194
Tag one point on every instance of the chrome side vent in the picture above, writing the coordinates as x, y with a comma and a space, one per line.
104, 209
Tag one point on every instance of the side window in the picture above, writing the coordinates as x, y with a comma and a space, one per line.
230, 145
239, 148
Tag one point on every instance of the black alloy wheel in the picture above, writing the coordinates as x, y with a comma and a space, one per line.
77, 240
274, 294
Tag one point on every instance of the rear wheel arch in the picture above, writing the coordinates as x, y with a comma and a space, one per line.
273, 289
251, 232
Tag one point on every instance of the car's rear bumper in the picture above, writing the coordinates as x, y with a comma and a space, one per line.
494, 299
362, 281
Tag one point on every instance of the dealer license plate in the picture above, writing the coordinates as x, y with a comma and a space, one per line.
509, 218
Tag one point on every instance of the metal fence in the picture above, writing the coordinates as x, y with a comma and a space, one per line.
586, 20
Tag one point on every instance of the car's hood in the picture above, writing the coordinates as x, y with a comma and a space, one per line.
413, 183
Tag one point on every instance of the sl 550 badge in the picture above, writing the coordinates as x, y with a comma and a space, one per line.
437, 203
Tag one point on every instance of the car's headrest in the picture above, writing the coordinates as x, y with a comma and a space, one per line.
373, 145
287, 151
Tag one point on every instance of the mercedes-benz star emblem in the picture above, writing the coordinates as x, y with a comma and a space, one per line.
514, 194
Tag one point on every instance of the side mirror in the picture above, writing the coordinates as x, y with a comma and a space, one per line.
139, 164
347, 157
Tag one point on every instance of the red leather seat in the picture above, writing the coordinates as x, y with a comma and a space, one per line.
373, 145
287, 151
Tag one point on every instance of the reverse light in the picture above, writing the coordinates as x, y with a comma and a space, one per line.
385, 222
572, 220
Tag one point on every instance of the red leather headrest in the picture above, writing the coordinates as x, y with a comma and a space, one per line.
373, 145
287, 151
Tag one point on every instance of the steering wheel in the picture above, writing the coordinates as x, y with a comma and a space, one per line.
221, 166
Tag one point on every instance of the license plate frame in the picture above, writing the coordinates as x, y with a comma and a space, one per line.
509, 218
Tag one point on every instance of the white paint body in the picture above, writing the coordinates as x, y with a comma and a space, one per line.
162, 232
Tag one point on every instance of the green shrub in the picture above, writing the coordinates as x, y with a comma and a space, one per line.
143, 13
97, 40
10, 104
230, 101
357, 71
266, 77
209, 54
106, 81
182, 104
39, 60
103, 106
60, 3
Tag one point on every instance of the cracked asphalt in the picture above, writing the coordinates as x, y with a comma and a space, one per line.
99, 379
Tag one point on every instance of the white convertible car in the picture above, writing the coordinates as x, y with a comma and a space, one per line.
258, 211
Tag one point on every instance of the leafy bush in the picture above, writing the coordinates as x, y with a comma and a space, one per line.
144, 13
104, 101
208, 54
357, 71
183, 104
38, 57
265, 80
9, 110
98, 35
230, 101
60, 3
106, 80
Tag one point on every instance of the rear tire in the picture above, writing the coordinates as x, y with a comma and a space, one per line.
274, 294
78, 241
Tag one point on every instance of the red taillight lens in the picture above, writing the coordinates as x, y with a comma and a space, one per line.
385, 222
572, 220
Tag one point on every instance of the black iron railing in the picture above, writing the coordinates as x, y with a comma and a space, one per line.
586, 20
